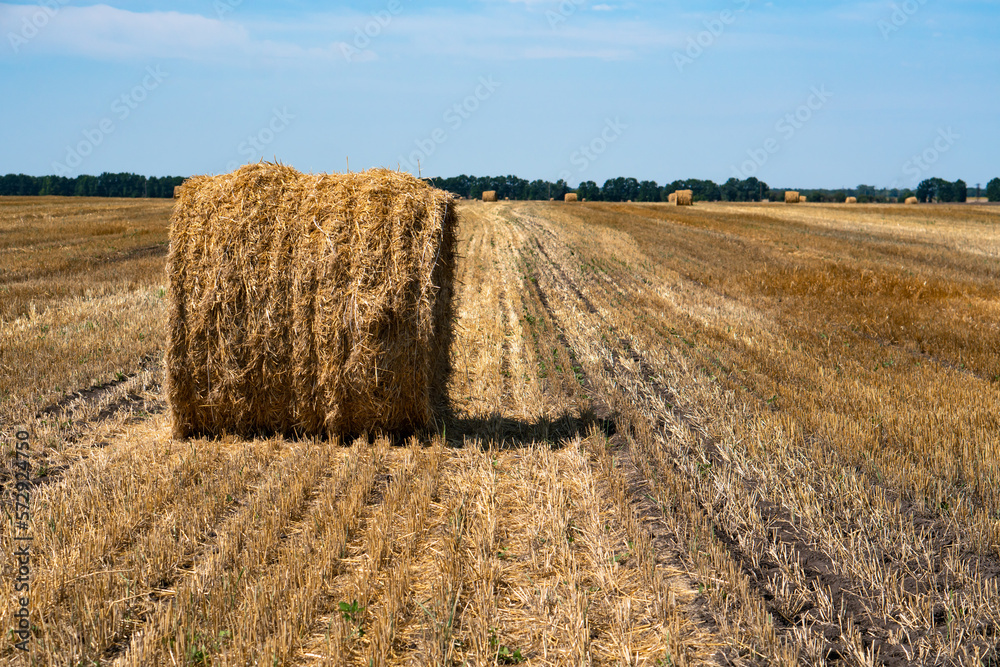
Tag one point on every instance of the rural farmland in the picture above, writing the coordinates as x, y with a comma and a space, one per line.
738, 434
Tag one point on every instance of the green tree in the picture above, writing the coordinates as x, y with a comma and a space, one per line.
589, 190
648, 191
929, 190
993, 190
731, 190
961, 191
945, 191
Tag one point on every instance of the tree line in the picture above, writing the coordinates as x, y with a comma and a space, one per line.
614, 189
105, 185
472, 187
734, 190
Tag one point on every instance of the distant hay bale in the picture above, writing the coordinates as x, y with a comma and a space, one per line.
506, 198
802, 199
490, 195
177, 191
851, 200
571, 196
791, 197
684, 198
308, 304
672, 198
912, 200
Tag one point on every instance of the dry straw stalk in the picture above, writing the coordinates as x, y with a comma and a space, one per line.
308, 304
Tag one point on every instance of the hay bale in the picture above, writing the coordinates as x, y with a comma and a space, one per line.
802, 199
571, 196
672, 198
912, 200
490, 195
851, 200
792, 197
308, 304
506, 198
177, 191
684, 198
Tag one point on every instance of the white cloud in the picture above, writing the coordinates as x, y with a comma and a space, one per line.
104, 32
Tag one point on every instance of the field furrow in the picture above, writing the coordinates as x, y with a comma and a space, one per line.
806, 566
225, 601
118, 527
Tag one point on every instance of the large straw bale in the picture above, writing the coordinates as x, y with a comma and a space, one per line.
912, 200
672, 198
571, 196
791, 197
684, 198
851, 200
490, 195
308, 304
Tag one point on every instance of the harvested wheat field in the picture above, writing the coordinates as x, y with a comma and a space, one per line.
724, 434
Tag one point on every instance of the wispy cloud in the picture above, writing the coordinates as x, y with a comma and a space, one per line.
104, 32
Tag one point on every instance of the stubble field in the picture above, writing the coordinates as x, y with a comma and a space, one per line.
731, 434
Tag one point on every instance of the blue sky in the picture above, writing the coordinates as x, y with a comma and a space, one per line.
799, 94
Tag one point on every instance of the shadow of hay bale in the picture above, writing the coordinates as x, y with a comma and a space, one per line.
507, 433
